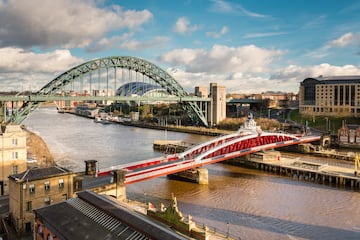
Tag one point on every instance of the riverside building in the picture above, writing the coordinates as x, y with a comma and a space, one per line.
35, 188
13, 154
330, 96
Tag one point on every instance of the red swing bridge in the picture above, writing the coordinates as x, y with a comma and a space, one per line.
248, 139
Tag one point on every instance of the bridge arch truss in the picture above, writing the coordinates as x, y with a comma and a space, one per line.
82, 75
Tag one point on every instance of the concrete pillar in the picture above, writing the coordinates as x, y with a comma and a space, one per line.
197, 175
90, 167
2, 112
203, 176
119, 178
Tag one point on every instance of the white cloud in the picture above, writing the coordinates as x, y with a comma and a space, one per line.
127, 42
222, 59
183, 26
227, 7
324, 69
64, 23
24, 68
245, 69
223, 31
345, 40
135, 45
285, 79
266, 34
292, 75
315, 22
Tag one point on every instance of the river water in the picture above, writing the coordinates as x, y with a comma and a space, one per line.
247, 203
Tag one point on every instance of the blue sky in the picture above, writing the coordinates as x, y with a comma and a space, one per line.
249, 46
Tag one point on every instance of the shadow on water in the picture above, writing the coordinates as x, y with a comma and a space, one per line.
263, 223
232, 171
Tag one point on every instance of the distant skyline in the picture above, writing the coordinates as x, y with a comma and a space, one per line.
249, 46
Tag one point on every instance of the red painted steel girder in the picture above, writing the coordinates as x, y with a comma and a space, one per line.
248, 143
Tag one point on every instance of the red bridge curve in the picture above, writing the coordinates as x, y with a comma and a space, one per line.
216, 150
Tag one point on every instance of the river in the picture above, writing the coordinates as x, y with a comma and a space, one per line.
247, 203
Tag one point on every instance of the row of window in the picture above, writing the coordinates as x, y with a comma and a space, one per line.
46, 186
47, 201
329, 110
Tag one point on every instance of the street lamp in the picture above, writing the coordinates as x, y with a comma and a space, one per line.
327, 124
228, 230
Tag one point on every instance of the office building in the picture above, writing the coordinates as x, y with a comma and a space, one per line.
330, 96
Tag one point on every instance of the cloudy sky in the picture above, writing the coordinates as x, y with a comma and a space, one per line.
249, 46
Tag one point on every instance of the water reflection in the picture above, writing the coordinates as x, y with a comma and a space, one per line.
255, 204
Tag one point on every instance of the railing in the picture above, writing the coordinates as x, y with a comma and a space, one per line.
46, 98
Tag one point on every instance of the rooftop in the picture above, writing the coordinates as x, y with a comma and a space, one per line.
39, 173
334, 79
94, 216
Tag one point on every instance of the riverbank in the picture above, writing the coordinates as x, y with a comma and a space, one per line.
38, 150
168, 127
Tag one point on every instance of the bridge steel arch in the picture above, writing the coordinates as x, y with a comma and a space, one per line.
142, 66
236, 144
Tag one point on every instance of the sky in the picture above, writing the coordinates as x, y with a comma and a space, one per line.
248, 46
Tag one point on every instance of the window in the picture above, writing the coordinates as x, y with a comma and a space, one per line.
15, 155
15, 169
47, 186
14, 142
64, 197
29, 206
32, 188
61, 183
47, 201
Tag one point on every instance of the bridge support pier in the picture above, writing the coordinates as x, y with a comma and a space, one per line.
2, 112
119, 179
196, 175
203, 176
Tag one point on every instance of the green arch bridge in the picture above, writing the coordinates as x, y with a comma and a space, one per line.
104, 73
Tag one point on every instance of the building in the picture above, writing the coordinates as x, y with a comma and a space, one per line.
201, 91
39, 187
349, 135
94, 216
13, 153
36, 188
217, 108
330, 96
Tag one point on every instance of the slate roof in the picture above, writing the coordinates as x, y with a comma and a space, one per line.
39, 173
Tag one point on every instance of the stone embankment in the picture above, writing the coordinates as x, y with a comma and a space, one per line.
38, 150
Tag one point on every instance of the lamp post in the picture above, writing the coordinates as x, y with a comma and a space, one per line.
2, 162
227, 230
327, 124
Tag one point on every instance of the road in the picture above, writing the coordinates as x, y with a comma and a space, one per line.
4, 205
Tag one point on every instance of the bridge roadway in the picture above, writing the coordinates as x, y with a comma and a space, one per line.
216, 150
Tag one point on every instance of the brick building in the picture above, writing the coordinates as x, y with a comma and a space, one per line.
13, 154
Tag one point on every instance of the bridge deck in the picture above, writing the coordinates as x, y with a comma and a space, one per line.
210, 153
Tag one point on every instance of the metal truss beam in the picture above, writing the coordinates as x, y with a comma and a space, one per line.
142, 66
